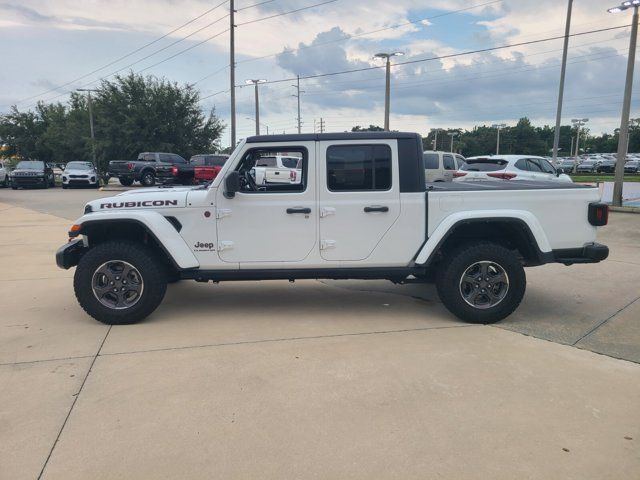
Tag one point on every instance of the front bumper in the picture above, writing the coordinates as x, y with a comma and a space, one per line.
590, 253
70, 254
28, 181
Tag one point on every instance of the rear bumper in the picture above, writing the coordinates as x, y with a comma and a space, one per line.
590, 253
70, 254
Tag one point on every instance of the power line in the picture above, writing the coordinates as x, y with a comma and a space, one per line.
133, 52
442, 57
254, 5
286, 13
361, 34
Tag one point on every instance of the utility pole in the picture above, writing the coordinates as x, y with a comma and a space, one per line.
563, 71
573, 139
452, 135
297, 86
232, 70
255, 83
626, 104
435, 140
387, 90
321, 125
578, 123
93, 136
498, 127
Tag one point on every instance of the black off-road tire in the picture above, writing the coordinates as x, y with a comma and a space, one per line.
126, 182
148, 179
148, 265
456, 263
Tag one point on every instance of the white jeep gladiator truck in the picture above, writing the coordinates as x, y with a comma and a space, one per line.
361, 211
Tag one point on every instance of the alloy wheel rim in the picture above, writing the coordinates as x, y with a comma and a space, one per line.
117, 284
484, 284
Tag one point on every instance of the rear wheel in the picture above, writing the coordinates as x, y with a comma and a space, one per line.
126, 182
481, 283
148, 179
119, 282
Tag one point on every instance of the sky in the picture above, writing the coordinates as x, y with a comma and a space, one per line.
53, 47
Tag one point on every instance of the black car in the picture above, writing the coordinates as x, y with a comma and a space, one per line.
32, 173
632, 166
566, 166
588, 166
607, 166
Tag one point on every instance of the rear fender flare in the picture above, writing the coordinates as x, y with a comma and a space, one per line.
448, 225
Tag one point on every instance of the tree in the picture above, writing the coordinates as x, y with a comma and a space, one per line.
370, 128
131, 114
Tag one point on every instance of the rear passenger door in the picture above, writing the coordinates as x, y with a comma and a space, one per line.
449, 165
359, 197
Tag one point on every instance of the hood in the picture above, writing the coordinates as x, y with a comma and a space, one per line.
147, 199
73, 171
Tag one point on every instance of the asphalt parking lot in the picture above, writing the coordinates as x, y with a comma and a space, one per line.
317, 379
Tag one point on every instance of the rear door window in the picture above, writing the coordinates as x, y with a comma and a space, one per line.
522, 164
177, 159
358, 167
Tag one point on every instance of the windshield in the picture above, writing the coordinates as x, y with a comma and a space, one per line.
484, 165
79, 166
31, 165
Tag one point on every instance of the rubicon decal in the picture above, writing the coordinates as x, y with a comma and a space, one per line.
204, 247
146, 203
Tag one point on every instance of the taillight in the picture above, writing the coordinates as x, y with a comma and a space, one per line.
292, 175
459, 174
502, 175
598, 214
130, 166
174, 171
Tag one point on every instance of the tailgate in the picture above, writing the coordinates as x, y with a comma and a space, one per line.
119, 166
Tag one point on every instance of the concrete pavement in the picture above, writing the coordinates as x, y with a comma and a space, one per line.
316, 379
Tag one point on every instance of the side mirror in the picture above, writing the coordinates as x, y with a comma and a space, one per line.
231, 184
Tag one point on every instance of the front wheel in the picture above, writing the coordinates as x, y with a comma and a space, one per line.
481, 283
119, 282
125, 182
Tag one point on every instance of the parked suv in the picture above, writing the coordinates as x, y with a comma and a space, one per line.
4, 175
80, 174
149, 168
509, 167
32, 173
440, 166
200, 168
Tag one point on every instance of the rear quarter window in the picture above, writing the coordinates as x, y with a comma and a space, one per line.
431, 161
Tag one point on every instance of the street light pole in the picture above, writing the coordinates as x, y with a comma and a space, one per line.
563, 71
261, 124
387, 89
93, 136
578, 123
498, 126
255, 83
626, 104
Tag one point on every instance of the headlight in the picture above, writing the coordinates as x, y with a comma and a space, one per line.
64, 179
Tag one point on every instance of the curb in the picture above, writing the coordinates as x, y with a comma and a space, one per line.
624, 209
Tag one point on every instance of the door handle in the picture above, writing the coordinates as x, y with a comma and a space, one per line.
291, 211
376, 208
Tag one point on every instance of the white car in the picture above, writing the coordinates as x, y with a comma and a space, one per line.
509, 167
278, 169
80, 174
440, 166
4, 176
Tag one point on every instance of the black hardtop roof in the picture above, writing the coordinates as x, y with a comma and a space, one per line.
308, 137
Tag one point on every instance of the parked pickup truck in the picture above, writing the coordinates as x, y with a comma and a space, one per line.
200, 168
362, 210
277, 169
149, 168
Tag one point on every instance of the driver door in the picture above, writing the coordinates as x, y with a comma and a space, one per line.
272, 222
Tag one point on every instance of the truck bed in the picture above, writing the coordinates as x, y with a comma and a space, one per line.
502, 185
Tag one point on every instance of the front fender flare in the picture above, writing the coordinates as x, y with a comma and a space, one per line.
156, 225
